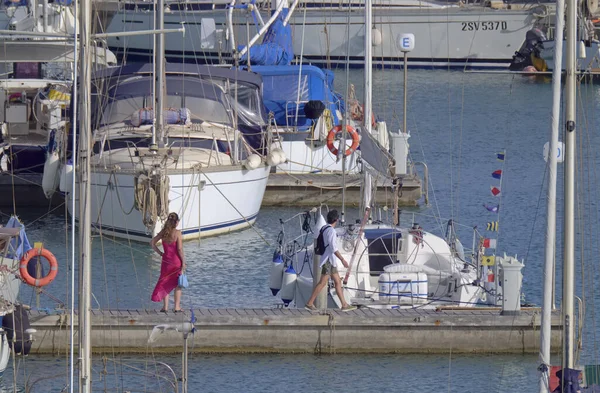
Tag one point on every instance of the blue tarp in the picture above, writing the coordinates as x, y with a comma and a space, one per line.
18, 246
276, 48
14, 3
282, 87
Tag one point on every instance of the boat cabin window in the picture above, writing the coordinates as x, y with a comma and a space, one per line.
122, 108
248, 104
383, 251
27, 70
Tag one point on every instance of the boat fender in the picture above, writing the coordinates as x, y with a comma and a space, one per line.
38, 282
276, 275
51, 176
331, 137
288, 286
66, 180
280, 155
16, 324
252, 162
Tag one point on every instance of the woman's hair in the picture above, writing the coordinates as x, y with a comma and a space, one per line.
170, 224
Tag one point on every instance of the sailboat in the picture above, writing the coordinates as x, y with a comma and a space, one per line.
190, 157
391, 266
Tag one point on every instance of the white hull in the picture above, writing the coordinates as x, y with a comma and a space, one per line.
312, 157
10, 284
451, 36
229, 200
588, 56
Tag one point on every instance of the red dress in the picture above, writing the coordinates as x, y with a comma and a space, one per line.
169, 272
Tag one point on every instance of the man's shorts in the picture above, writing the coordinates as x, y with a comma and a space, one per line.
328, 269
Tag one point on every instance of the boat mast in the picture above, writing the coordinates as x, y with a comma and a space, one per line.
85, 276
368, 94
550, 250
159, 72
569, 224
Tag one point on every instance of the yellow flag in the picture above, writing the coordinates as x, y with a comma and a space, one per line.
488, 260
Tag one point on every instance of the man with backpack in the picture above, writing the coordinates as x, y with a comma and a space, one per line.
327, 248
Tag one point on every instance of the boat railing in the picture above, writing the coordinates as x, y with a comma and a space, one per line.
291, 119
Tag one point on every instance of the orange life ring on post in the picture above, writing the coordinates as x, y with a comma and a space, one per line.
38, 282
338, 129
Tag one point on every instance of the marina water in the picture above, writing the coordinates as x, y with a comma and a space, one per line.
458, 122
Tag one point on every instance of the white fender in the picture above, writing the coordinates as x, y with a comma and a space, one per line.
276, 276
280, 155
4, 353
51, 178
252, 162
66, 179
288, 286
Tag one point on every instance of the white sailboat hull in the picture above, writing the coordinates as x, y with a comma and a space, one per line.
445, 36
212, 203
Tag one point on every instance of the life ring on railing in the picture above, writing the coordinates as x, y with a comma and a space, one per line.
38, 282
338, 129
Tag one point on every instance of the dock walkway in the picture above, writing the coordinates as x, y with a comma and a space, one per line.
276, 330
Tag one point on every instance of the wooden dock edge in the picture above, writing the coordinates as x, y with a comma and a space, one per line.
246, 331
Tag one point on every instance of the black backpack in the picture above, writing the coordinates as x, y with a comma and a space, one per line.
320, 247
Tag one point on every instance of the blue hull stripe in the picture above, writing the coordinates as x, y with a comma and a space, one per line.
186, 232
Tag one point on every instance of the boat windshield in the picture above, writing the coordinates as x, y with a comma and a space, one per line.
246, 100
123, 107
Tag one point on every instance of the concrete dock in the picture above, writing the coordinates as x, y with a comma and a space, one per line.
309, 189
277, 330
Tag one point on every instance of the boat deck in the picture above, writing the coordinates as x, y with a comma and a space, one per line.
281, 330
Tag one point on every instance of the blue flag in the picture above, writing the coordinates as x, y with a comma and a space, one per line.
493, 209
500, 156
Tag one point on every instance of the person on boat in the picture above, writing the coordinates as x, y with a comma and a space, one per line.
173, 263
329, 263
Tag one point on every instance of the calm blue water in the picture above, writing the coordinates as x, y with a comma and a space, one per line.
458, 123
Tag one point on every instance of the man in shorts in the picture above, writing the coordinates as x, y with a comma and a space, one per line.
329, 264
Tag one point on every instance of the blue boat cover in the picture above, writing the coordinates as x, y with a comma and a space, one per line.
568, 381
14, 3
284, 85
18, 246
276, 48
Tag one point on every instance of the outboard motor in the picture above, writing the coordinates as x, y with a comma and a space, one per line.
533, 45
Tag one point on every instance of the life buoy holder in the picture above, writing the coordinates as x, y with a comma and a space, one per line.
338, 129
38, 282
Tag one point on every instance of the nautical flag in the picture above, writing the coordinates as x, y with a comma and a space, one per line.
497, 174
492, 226
495, 191
488, 260
493, 209
489, 243
500, 156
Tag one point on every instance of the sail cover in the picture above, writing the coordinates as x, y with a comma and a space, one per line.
375, 155
276, 48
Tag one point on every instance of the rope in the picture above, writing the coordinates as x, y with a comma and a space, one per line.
152, 198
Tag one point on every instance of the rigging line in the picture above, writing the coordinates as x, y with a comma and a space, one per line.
300, 67
236, 209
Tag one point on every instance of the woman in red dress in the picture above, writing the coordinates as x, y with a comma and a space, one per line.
173, 263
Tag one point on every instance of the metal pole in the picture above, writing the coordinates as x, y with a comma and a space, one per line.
73, 203
85, 276
159, 74
184, 366
550, 249
569, 225
405, 91
368, 65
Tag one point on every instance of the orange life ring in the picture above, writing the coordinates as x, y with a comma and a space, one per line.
38, 282
338, 129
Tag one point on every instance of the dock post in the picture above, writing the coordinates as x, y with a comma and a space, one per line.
321, 300
511, 278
